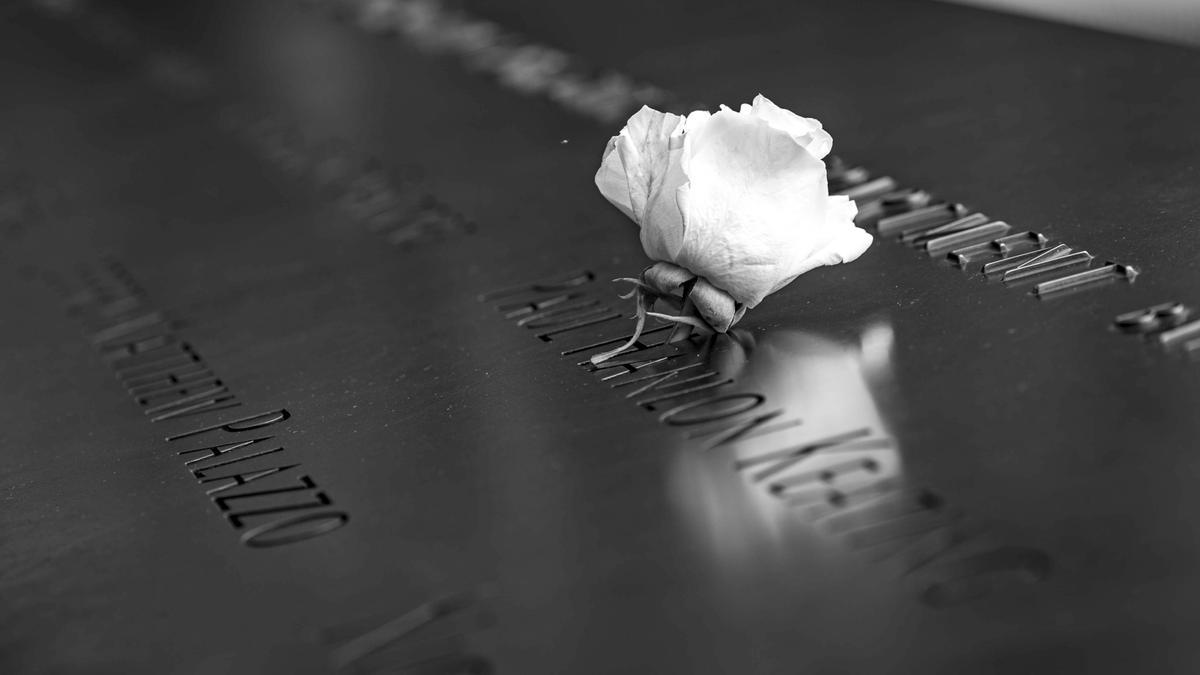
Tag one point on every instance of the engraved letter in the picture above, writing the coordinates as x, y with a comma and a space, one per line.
241, 424
294, 529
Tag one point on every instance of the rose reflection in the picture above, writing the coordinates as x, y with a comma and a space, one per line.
825, 388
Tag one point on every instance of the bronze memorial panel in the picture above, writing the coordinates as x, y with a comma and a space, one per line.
299, 300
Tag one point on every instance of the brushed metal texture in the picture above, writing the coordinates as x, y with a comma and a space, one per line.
897, 465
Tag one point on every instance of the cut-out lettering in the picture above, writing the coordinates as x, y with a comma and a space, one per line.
130, 326
1153, 319
875, 188
984, 573
220, 450
222, 503
122, 351
940, 244
239, 479
1178, 334
690, 386
564, 282
599, 346
642, 380
557, 316
185, 370
515, 310
394, 635
294, 529
238, 518
625, 369
211, 400
999, 267
201, 472
603, 316
1035, 268
1020, 242
781, 460
919, 235
172, 395
179, 354
928, 216
711, 409
745, 429
248, 423
1100, 275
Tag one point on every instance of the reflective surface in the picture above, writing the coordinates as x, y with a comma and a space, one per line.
898, 465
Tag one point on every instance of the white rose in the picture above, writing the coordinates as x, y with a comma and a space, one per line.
739, 198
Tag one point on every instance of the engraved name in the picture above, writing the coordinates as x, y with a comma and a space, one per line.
435, 636
397, 206
832, 480
256, 486
970, 239
1165, 323
516, 62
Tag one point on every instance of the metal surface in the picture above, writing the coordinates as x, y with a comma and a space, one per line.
944, 474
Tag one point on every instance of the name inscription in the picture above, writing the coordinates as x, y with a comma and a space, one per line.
970, 240
396, 205
833, 480
516, 62
250, 478
1166, 322
434, 637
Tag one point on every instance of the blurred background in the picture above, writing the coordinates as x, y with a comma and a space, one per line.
1170, 20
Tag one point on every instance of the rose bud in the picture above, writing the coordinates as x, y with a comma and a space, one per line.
732, 206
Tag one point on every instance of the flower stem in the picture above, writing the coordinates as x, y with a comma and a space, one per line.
683, 331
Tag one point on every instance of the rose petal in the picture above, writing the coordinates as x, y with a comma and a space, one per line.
806, 130
750, 189
664, 239
644, 146
838, 240
611, 180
